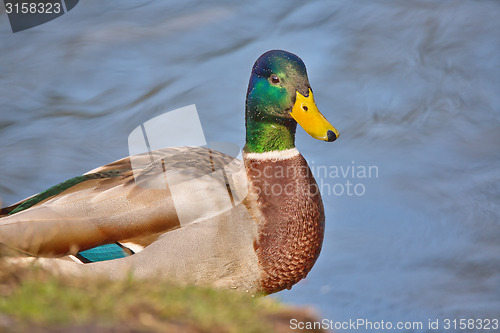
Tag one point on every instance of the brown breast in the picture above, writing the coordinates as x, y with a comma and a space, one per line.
292, 221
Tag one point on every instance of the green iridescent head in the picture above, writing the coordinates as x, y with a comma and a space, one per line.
279, 96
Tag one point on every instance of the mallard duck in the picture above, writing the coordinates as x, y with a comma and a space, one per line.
112, 222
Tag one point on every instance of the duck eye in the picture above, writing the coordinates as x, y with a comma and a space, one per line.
275, 79
305, 108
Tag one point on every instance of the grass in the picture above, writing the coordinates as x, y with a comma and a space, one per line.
32, 299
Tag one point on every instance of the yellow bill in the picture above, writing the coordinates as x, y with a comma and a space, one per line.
306, 114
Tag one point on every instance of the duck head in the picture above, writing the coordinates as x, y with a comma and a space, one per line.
279, 96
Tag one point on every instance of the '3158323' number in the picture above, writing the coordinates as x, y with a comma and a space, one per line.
33, 8
471, 324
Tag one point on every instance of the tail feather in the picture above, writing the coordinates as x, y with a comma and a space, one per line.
6, 210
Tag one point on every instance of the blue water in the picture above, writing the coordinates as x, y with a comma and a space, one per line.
413, 87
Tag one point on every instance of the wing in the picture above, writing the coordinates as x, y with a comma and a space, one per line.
128, 200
